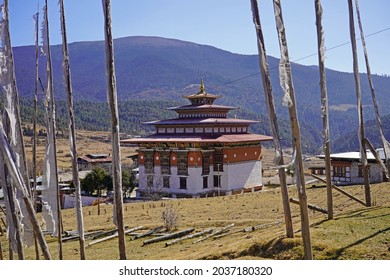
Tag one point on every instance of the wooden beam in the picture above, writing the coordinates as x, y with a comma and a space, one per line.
268, 93
349, 195
253, 228
5, 225
72, 133
286, 82
2, 210
169, 236
150, 232
377, 157
324, 105
339, 190
361, 133
310, 206
214, 233
75, 235
116, 234
385, 144
116, 152
1, 246
189, 236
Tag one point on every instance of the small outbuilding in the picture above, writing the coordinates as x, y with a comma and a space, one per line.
90, 161
346, 168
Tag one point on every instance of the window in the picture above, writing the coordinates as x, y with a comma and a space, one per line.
165, 163
217, 181
149, 181
339, 171
205, 182
182, 164
183, 183
149, 163
166, 182
218, 162
206, 165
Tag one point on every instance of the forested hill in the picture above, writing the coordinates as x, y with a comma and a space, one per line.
154, 73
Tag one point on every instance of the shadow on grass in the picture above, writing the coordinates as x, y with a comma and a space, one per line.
340, 251
279, 248
353, 214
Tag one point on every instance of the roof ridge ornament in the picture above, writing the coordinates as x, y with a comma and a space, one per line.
202, 91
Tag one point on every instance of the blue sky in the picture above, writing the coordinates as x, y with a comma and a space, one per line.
225, 24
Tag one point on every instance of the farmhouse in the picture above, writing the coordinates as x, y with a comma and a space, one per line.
201, 152
91, 161
346, 168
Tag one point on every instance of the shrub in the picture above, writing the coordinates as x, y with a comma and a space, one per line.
169, 218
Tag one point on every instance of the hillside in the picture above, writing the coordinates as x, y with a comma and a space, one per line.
356, 233
151, 69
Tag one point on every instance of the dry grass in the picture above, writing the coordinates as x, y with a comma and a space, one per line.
356, 232
87, 142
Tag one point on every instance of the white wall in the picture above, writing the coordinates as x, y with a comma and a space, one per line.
243, 175
235, 176
70, 200
376, 174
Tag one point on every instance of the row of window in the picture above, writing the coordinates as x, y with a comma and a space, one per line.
342, 171
183, 182
182, 163
203, 115
202, 101
172, 130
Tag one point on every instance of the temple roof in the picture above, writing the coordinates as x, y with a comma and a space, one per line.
196, 138
202, 97
200, 121
208, 123
202, 107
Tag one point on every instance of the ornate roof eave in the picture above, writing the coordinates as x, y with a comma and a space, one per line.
201, 121
202, 107
200, 95
227, 138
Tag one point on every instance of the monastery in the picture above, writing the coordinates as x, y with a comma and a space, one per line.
200, 153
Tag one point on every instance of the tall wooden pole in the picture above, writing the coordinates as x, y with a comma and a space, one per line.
361, 135
13, 220
116, 154
12, 126
35, 116
12, 149
266, 81
288, 87
324, 105
51, 131
14, 172
385, 143
1, 245
72, 134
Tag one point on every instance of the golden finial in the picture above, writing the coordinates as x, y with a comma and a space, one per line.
201, 86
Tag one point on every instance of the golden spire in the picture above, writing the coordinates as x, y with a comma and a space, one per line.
202, 87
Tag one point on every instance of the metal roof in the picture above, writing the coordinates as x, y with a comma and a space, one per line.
354, 156
202, 106
200, 121
192, 138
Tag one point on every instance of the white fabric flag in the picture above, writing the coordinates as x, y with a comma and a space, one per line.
50, 177
11, 111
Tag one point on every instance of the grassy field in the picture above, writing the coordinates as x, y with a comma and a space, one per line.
356, 232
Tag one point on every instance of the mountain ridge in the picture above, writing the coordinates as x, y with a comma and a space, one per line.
156, 68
